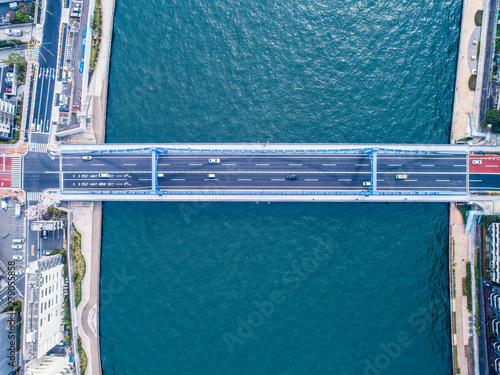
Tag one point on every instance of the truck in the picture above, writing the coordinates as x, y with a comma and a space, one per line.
17, 210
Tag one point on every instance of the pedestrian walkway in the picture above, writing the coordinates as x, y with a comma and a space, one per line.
16, 172
461, 316
38, 147
464, 107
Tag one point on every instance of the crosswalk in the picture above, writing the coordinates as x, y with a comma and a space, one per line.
33, 196
15, 173
34, 53
38, 147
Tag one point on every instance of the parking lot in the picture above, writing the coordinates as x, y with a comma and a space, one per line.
11, 227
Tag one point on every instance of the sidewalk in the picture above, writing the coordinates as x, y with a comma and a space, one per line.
459, 241
463, 105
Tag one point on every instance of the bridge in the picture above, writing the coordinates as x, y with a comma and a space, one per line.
264, 172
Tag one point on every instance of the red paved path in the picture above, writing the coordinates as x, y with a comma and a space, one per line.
5, 168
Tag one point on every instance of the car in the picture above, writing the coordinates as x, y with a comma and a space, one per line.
9, 79
70, 77
211, 175
401, 176
18, 272
8, 90
366, 183
17, 247
214, 161
87, 157
4, 204
12, 32
47, 252
9, 75
160, 175
291, 176
17, 257
476, 161
44, 234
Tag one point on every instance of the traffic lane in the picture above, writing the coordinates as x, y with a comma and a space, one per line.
37, 182
50, 34
38, 162
43, 99
443, 163
91, 182
488, 164
263, 180
422, 181
484, 182
104, 163
270, 163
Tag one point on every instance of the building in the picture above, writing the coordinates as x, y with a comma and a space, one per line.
45, 299
7, 118
7, 341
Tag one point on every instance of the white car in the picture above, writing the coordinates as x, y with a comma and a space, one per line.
214, 161
475, 161
87, 157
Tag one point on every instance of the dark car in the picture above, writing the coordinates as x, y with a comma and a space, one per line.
44, 234
291, 176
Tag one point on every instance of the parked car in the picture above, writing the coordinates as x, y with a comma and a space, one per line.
8, 90
44, 234
17, 247
9, 75
12, 32
4, 204
47, 252
9, 79
17, 257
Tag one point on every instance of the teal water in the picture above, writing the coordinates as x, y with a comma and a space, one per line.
278, 288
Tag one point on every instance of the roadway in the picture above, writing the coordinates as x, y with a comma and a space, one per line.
343, 172
41, 171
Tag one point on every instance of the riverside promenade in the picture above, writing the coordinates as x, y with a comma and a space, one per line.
464, 123
89, 215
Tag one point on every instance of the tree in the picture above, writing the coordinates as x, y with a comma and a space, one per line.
19, 60
493, 117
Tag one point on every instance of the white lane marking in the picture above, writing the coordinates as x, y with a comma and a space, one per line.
443, 180
311, 179
380, 180
329, 165
244, 179
194, 164
296, 164
277, 179
345, 179
130, 164
51, 172
144, 179
97, 164
211, 179
459, 165
475, 180
362, 165
255, 164
410, 180
228, 164
394, 165
67, 164
163, 164
178, 179
427, 165
491, 166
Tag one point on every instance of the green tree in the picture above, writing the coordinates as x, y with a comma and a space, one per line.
493, 117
